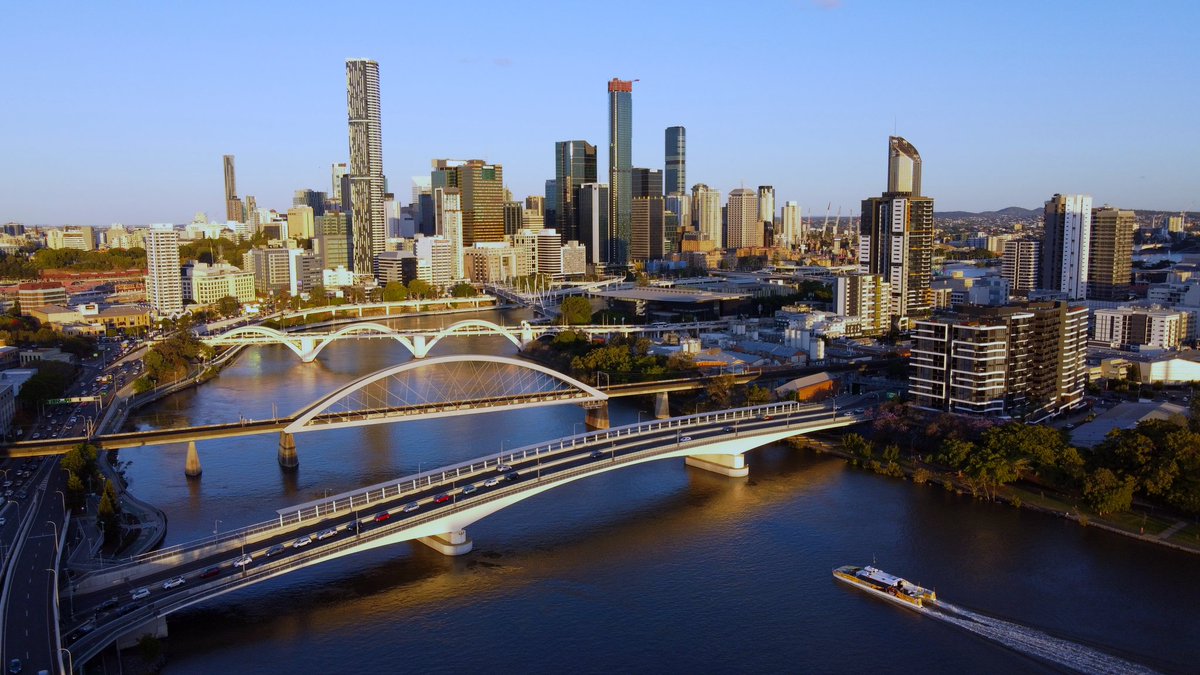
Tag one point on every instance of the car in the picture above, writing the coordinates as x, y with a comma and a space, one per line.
107, 605
513, 476
685, 439
441, 498
501, 468
728, 430
8, 483
22, 494
209, 572
172, 583
14, 666
597, 454
140, 593
491, 482
411, 506
243, 561
131, 607
382, 516
766, 418
325, 534
302, 541
35, 437
2, 522
277, 548
859, 411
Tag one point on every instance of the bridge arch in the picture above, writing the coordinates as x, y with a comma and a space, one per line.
461, 326
578, 392
365, 327
292, 343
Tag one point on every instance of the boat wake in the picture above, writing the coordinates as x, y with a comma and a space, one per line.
1034, 642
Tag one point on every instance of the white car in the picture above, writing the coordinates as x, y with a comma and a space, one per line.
172, 583
685, 439
140, 593
243, 561
325, 534
302, 541
491, 482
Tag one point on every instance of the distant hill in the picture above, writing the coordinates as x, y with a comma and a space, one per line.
1010, 212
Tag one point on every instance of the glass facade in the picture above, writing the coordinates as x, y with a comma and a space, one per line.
574, 165
676, 161
620, 168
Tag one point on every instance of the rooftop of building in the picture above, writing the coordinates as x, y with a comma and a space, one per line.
1125, 415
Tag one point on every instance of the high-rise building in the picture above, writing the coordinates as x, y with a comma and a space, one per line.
275, 269
337, 172
368, 221
1024, 361
234, 210
1139, 327
866, 296
482, 189
333, 240
646, 182
896, 234
706, 214
300, 223
676, 161
438, 254
592, 211
164, 282
491, 261
574, 165
766, 213
1022, 258
744, 228
1110, 253
312, 199
648, 233
1066, 245
451, 219
793, 226
549, 201
620, 167
513, 217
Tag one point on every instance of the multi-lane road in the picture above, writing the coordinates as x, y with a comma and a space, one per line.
145, 596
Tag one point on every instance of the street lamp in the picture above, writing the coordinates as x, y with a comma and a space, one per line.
55, 526
70, 659
64, 498
216, 529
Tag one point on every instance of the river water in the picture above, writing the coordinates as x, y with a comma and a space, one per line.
657, 566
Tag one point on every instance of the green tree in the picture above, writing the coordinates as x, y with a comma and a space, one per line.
576, 310
954, 453
229, 306
990, 467
857, 446
756, 395
463, 290
394, 291
720, 391
419, 289
1106, 493
680, 361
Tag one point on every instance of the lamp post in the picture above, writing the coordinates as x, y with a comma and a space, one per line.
216, 530
70, 659
64, 499
55, 526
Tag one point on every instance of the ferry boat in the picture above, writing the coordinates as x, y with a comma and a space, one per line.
874, 580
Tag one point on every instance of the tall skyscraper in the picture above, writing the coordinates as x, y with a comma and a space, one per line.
451, 220
1066, 245
333, 238
337, 172
574, 165
312, 199
234, 210
368, 221
1022, 260
793, 226
592, 209
766, 213
164, 283
1110, 254
620, 166
482, 189
896, 235
706, 214
744, 228
676, 161
647, 235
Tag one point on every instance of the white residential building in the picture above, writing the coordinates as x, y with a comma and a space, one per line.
164, 283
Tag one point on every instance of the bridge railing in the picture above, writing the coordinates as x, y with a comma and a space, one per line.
364, 498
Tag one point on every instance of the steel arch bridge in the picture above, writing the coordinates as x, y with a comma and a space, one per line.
443, 387
419, 342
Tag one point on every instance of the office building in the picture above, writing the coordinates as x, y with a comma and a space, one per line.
574, 166
396, 266
766, 214
38, 294
1138, 327
896, 235
300, 223
792, 234
164, 284
706, 214
234, 209
648, 233
80, 238
368, 222
435, 260
1110, 254
524, 246
1022, 259
514, 220
676, 161
620, 168
491, 262
743, 229
275, 269
313, 199
574, 259
450, 220
592, 209
482, 188
333, 240
1066, 245
205, 284
338, 172
866, 296
1023, 361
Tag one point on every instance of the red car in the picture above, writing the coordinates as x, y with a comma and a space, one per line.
380, 517
441, 499
210, 572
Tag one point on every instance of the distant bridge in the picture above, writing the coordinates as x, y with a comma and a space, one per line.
420, 341
433, 507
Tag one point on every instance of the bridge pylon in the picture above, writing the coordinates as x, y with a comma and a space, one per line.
733, 466
596, 415
450, 543
662, 406
191, 466
288, 460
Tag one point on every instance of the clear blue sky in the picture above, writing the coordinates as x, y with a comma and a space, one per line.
120, 112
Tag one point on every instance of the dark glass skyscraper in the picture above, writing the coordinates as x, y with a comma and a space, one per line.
676, 156
574, 165
620, 166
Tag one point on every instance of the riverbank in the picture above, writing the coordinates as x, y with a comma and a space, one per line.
1141, 524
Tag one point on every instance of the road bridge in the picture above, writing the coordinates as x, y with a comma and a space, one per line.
434, 507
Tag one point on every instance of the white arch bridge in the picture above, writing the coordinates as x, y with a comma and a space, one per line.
307, 345
433, 507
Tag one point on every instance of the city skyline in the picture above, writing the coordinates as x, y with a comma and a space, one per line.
159, 135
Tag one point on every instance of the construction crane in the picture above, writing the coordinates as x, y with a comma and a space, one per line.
825, 225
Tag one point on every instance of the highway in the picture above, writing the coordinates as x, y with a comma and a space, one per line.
29, 629
103, 615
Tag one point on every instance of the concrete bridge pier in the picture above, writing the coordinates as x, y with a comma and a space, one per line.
420, 351
662, 406
191, 466
597, 416
287, 452
307, 350
733, 466
451, 543
526, 335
